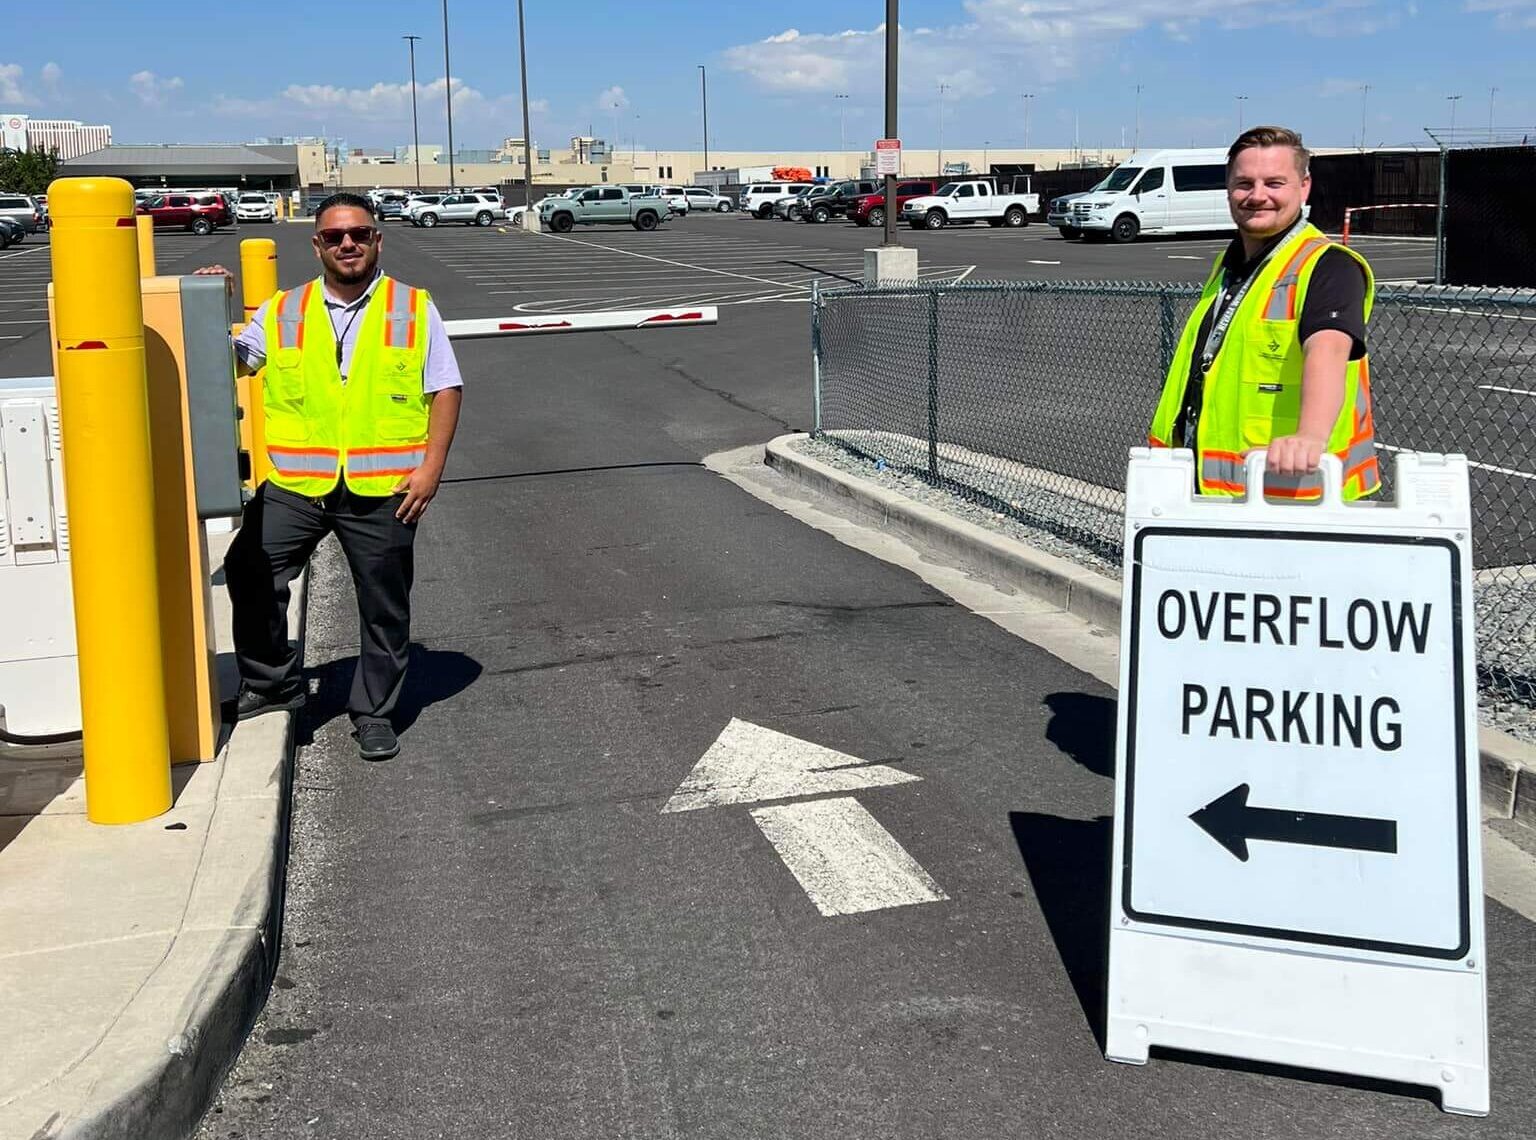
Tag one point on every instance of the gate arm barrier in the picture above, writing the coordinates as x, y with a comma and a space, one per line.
615, 320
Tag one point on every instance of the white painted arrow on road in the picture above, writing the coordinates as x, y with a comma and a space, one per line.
840, 854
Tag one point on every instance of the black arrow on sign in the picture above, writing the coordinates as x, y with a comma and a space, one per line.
1232, 823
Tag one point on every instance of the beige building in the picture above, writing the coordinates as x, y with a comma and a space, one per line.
684, 167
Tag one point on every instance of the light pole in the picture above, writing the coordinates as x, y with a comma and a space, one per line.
614, 149
986, 156
1241, 99
1136, 138
842, 125
892, 47
522, 66
704, 95
1028, 99
415, 130
1492, 91
943, 87
1365, 93
448, 94
1453, 100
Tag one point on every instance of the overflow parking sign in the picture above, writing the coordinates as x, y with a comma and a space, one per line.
1297, 789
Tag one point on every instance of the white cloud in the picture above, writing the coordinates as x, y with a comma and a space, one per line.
1332, 88
10, 85
51, 74
381, 101
609, 96
1508, 13
151, 90
1003, 42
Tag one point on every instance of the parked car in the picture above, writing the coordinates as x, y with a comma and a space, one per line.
1157, 192
673, 196
391, 204
199, 213
972, 200
254, 206
838, 200
787, 208
759, 198
22, 210
703, 198
798, 207
11, 233
603, 205
869, 210
471, 209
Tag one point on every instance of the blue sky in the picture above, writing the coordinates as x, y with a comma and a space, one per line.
775, 70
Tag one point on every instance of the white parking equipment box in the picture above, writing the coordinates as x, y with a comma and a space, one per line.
1297, 868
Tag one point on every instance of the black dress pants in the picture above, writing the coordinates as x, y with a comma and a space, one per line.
279, 532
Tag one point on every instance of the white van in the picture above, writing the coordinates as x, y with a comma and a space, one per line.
1158, 192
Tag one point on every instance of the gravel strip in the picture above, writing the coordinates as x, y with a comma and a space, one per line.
1091, 536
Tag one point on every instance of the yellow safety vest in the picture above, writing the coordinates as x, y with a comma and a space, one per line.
1252, 392
373, 426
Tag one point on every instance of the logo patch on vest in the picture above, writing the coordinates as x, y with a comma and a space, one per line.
1271, 351
1271, 387
398, 399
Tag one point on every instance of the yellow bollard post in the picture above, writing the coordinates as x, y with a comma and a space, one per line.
146, 228
258, 283
109, 485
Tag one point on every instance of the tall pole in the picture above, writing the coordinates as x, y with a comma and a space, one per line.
1453, 100
1028, 100
448, 94
1136, 138
704, 96
1365, 93
892, 45
1241, 99
943, 87
522, 65
842, 125
1492, 91
415, 127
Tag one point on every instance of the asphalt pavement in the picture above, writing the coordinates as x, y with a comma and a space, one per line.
503, 933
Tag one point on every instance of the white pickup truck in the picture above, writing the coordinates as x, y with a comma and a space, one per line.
971, 201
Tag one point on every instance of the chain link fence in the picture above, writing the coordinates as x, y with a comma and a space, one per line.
1024, 396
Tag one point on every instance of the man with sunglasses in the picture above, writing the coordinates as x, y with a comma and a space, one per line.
361, 398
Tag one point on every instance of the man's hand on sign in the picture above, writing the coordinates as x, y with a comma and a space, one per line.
420, 486
1294, 454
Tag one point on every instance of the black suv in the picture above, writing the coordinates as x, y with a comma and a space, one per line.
837, 200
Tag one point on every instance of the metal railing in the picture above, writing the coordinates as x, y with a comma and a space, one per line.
1024, 397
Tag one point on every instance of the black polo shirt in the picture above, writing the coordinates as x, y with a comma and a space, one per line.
1335, 300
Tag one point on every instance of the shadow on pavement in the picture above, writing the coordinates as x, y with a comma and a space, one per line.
1068, 865
1083, 726
434, 675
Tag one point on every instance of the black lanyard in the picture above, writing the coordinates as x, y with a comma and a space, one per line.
342, 339
1227, 303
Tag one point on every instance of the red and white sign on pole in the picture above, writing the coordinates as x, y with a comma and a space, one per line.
887, 156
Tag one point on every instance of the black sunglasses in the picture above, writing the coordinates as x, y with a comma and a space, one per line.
360, 235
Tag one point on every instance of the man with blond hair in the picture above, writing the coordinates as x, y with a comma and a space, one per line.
1274, 356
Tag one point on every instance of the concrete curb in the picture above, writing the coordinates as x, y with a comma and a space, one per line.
207, 991
1508, 764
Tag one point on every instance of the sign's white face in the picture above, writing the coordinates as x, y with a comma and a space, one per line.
1295, 762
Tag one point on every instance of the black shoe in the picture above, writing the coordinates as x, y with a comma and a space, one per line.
250, 703
376, 741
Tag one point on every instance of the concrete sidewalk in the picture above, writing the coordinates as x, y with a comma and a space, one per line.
134, 958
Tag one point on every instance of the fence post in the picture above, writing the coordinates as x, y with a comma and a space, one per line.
933, 384
1445, 155
816, 357
1166, 343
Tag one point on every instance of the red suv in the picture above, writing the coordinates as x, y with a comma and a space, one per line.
870, 209
200, 213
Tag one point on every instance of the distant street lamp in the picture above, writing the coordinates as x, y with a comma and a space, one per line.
1453, 100
842, 123
1241, 99
943, 87
415, 129
704, 95
448, 94
522, 65
1027, 99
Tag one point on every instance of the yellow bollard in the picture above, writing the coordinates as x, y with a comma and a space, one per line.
258, 283
146, 228
109, 484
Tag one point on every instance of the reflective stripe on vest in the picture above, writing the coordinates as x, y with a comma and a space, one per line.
386, 460
290, 317
1282, 298
399, 315
307, 461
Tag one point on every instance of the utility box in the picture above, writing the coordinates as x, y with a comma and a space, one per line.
39, 680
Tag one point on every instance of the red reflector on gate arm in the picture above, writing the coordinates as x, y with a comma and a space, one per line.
673, 317
85, 344
511, 325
